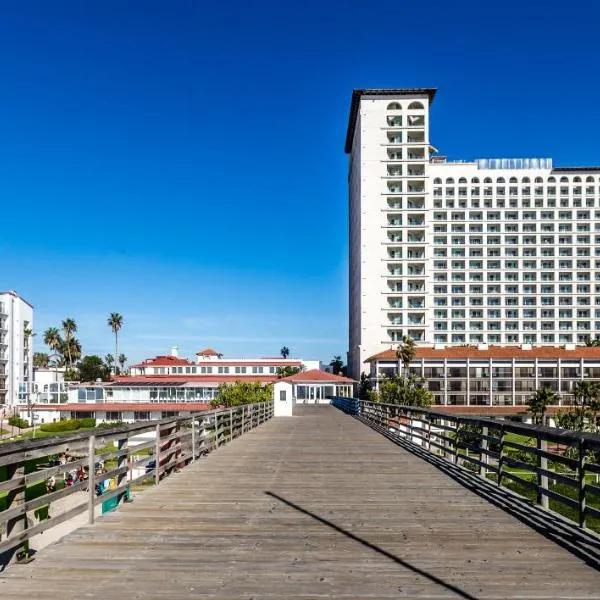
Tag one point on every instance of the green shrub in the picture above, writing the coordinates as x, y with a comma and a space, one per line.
88, 422
111, 424
62, 425
18, 422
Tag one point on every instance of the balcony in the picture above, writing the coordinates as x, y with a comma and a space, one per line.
416, 137
416, 171
394, 139
415, 222
416, 188
394, 187
394, 121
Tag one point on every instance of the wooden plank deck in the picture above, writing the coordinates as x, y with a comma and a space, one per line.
314, 506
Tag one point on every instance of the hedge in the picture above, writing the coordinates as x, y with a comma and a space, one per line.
69, 425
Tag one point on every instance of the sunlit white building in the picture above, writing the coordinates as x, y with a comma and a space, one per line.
488, 251
16, 354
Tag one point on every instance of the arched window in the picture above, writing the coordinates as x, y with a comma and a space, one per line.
576, 179
415, 106
513, 180
525, 180
487, 180
462, 180
394, 106
449, 181
500, 180
437, 181
551, 180
539, 180
564, 180
475, 180
589, 179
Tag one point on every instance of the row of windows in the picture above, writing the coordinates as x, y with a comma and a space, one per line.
497, 252
512, 325
412, 106
208, 370
524, 264
512, 228
501, 203
510, 300
502, 180
509, 338
511, 240
526, 215
563, 313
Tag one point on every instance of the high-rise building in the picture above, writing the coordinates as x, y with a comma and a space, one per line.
16, 355
490, 251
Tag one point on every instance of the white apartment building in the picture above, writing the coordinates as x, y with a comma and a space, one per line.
491, 251
16, 353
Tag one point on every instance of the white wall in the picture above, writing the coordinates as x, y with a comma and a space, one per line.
283, 407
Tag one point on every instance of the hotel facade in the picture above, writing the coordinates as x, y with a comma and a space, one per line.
481, 253
16, 355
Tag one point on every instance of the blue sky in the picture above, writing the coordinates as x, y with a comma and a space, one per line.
182, 163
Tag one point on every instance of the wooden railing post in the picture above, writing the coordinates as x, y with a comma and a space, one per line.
581, 482
231, 424
157, 456
193, 439
91, 478
243, 419
455, 445
501, 456
483, 452
15, 498
542, 479
123, 460
427, 427
216, 415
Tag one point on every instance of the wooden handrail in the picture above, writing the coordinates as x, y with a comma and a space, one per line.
558, 473
178, 441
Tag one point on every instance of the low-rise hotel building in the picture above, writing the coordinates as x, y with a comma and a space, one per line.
494, 380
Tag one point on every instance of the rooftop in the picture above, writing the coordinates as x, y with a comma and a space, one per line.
316, 376
358, 93
506, 352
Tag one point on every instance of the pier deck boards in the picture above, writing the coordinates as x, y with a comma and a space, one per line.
313, 506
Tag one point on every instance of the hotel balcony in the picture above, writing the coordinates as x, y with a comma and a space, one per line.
394, 121
416, 187
394, 138
394, 187
416, 137
416, 203
416, 154
418, 335
416, 121
416, 171
415, 222
395, 154
414, 238
394, 221
414, 254
394, 171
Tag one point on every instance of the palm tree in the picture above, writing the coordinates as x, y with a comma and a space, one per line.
52, 339
592, 342
285, 352
115, 322
122, 360
406, 353
337, 364
539, 402
69, 327
109, 360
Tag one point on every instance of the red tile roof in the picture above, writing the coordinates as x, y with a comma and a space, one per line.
167, 380
316, 376
164, 361
125, 406
458, 352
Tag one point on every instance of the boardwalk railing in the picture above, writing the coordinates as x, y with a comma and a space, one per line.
127, 457
555, 468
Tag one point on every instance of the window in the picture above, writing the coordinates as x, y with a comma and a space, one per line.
223, 370
416, 106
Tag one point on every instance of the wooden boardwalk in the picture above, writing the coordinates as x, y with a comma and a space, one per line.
314, 506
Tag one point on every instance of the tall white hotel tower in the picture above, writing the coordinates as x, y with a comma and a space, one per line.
491, 251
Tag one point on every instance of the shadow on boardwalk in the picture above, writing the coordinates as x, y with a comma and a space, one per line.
582, 544
375, 548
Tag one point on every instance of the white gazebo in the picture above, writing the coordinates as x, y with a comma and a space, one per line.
309, 387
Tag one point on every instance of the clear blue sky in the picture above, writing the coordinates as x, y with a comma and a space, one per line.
182, 163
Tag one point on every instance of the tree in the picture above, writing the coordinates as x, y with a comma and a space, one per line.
52, 339
109, 361
115, 322
92, 368
241, 392
539, 402
364, 386
406, 353
285, 352
41, 360
593, 342
287, 371
27, 335
405, 391
122, 360
69, 327
337, 365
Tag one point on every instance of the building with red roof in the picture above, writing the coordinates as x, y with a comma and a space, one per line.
493, 380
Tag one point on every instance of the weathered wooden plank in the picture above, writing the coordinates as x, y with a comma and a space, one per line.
317, 505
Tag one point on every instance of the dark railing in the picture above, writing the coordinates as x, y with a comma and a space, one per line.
556, 468
26, 499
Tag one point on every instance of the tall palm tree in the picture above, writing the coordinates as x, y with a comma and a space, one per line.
69, 327
52, 339
115, 322
122, 360
285, 352
406, 353
539, 402
109, 360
